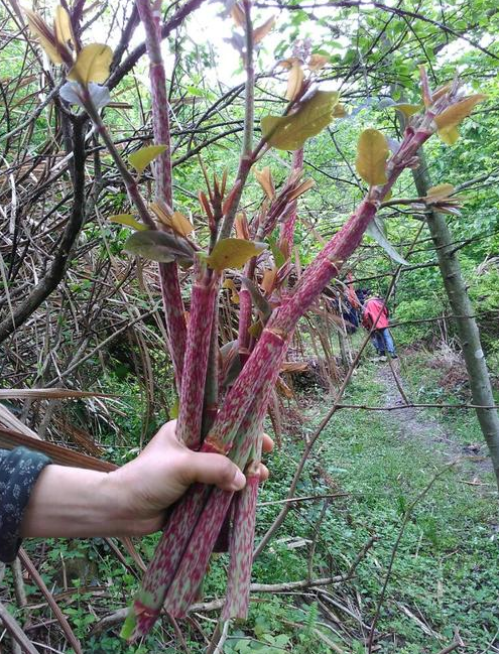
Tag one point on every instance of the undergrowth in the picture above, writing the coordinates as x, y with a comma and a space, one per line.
445, 572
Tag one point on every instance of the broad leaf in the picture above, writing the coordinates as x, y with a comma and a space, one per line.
407, 109
449, 135
372, 153
143, 157
92, 64
159, 246
291, 132
127, 220
455, 114
377, 232
233, 253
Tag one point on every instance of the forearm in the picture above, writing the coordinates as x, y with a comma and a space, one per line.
73, 503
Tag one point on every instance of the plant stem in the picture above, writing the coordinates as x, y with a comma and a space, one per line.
168, 272
199, 338
248, 157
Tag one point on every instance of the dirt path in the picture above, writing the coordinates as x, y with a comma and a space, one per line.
415, 423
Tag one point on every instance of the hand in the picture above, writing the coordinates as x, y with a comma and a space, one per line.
164, 470
130, 501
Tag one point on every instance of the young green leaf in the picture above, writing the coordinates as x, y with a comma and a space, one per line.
291, 132
159, 246
92, 64
376, 230
456, 113
449, 135
407, 109
128, 220
372, 153
143, 157
233, 253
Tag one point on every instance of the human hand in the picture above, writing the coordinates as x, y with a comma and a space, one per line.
163, 471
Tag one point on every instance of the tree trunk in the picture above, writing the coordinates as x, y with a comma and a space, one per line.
467, 327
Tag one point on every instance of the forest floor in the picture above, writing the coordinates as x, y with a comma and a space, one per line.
444, 582
429, 431
444, 579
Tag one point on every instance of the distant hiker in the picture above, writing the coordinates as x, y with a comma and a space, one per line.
375, 315
351, 306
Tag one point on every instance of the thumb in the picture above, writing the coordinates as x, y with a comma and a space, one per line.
208, 468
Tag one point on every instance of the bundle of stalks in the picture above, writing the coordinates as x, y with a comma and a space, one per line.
215, 416
182, 557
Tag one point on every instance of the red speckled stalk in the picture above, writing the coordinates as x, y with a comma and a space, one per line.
241, 550
148, 603
245, 306
243, 532
168, 272
287, 235
203, 301
251, 379
191, 571
195, 559
193, 526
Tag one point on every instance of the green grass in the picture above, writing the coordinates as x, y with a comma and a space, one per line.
445, 572
447, 565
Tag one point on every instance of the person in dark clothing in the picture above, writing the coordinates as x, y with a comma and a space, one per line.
41, 499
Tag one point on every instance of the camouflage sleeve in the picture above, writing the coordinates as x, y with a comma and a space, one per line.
19, 470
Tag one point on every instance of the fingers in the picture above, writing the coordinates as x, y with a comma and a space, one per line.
214, 469
264, 472
268, 443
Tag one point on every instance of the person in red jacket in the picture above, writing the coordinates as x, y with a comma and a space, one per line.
375, 317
